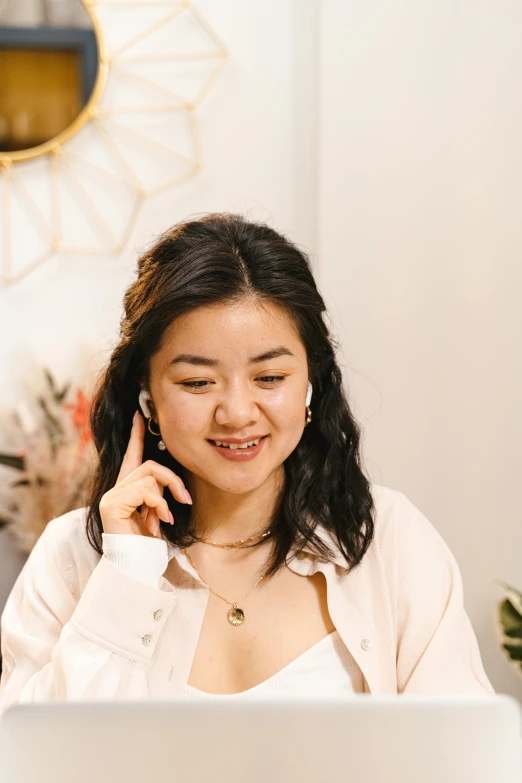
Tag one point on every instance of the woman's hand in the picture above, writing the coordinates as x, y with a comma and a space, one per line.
139, 484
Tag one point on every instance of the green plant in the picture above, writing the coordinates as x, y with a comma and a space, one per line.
508, 618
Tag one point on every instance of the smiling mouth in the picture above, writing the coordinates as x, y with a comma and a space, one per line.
237, 446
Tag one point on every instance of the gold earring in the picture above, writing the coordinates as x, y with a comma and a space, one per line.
151, 430
161, 445
309, 415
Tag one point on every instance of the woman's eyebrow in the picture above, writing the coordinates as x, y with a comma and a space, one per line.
189, 358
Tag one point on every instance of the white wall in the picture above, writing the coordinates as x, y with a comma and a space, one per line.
420, 243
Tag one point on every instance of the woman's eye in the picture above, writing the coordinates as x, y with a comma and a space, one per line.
192, 384
274, 377
266, 378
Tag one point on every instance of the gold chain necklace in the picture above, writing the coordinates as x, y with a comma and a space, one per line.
236, 615
235, 543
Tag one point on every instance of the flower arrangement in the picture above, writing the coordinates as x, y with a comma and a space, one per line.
52, 454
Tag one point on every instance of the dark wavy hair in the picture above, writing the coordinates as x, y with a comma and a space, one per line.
224, 258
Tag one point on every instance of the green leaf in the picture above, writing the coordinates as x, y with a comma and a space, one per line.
510, 619
514, 650
511, 594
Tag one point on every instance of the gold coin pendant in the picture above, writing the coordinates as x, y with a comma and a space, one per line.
236, 616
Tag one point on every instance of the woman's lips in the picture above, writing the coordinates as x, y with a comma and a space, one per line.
239, 455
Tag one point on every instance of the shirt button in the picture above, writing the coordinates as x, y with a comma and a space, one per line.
147, 640
301, 555
158, 614
366, 644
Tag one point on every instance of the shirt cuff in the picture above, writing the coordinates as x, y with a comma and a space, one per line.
121, 614
142, 557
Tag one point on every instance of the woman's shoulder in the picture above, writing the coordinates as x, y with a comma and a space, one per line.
402, 526
388, 501
64, 542
392, 517
391, 508
68, 528
395, 508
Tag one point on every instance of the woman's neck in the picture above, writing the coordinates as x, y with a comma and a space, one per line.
228, 517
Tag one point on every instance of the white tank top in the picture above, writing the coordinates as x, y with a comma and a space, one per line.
325, 669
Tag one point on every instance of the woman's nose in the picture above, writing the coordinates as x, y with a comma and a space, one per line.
238, 410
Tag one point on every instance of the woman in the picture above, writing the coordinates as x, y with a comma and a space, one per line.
200, 569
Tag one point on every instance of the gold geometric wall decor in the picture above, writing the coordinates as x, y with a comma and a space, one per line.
137, 136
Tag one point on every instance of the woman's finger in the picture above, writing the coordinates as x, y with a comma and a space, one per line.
133, 456
163, 475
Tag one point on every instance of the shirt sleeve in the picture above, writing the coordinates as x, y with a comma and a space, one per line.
58, 646
437, 649
143, 557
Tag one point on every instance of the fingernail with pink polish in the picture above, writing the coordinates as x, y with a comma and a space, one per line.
171, 518
187, 495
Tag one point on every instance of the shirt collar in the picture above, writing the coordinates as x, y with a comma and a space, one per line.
328, 538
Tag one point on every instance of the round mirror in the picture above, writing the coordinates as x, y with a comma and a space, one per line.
49, 73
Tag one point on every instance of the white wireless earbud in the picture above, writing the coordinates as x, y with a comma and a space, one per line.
143, 400
308, 393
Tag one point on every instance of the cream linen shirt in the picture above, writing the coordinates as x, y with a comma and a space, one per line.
76, 626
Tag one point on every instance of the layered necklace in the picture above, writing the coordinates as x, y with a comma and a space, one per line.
236, 615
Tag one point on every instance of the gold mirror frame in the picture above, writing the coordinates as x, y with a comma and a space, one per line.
86, 113
107, 122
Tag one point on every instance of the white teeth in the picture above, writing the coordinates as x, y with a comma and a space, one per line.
237, 445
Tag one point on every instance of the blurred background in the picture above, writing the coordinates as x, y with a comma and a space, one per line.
383, 138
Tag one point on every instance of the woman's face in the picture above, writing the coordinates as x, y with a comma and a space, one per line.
224, 394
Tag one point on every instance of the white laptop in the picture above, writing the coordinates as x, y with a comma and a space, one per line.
368, 739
